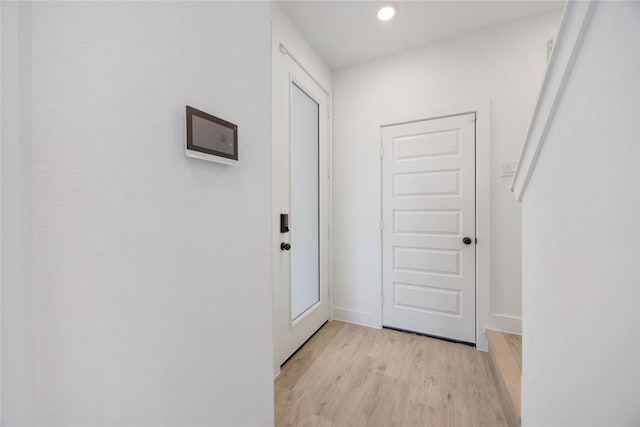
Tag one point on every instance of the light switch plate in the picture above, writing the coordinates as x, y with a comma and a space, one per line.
509, 168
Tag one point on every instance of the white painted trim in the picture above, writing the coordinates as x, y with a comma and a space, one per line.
330, 198
288, 53
506, 323
361, 318
575, 20
483, 222
1, 75
482, 108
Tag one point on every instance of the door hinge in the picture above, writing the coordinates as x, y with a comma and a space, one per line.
381, 152
381, 299
328, 172
381, 225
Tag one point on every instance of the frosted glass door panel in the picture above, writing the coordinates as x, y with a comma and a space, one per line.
304, 225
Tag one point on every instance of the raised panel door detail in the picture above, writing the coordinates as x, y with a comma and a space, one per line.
435, 222
427, 298
414, 147
438, 183
439, 261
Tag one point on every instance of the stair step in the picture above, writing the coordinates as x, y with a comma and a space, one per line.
506, 356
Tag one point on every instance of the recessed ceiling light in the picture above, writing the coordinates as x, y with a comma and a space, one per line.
386, 12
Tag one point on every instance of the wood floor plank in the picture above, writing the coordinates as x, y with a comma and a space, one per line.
515, 344
297, 365
350, 375
508, 373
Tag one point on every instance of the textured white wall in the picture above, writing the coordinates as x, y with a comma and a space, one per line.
505, 65
581, 236
151, 272
17, 293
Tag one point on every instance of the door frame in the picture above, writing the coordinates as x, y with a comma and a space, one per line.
282, 59
482, 108
1, 107
462, 329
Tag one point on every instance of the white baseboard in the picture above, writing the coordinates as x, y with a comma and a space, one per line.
505, 323
362, 318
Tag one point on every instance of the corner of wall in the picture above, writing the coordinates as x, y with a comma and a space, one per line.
507, 323
285, 32
16, 299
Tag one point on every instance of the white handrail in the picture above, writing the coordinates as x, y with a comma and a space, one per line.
575, 21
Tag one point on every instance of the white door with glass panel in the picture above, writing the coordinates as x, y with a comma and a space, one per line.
428, 237
300, 238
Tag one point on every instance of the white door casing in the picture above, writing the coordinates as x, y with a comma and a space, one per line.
428, 207
290, 328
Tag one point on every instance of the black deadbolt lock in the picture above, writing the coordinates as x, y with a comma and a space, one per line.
285, 246
284, 223
466, 240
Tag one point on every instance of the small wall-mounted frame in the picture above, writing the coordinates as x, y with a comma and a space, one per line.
211, 138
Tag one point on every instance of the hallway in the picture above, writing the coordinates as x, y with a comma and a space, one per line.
353, 375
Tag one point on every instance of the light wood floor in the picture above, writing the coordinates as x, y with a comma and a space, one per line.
515, 345
349, 375
506, 353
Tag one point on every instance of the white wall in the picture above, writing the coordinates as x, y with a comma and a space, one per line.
581, 236
150, 295
503, 65
17, 289
284, 31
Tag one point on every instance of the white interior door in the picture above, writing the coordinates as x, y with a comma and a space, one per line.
300, 162
428, 208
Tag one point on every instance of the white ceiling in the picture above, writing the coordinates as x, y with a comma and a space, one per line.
344, 33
